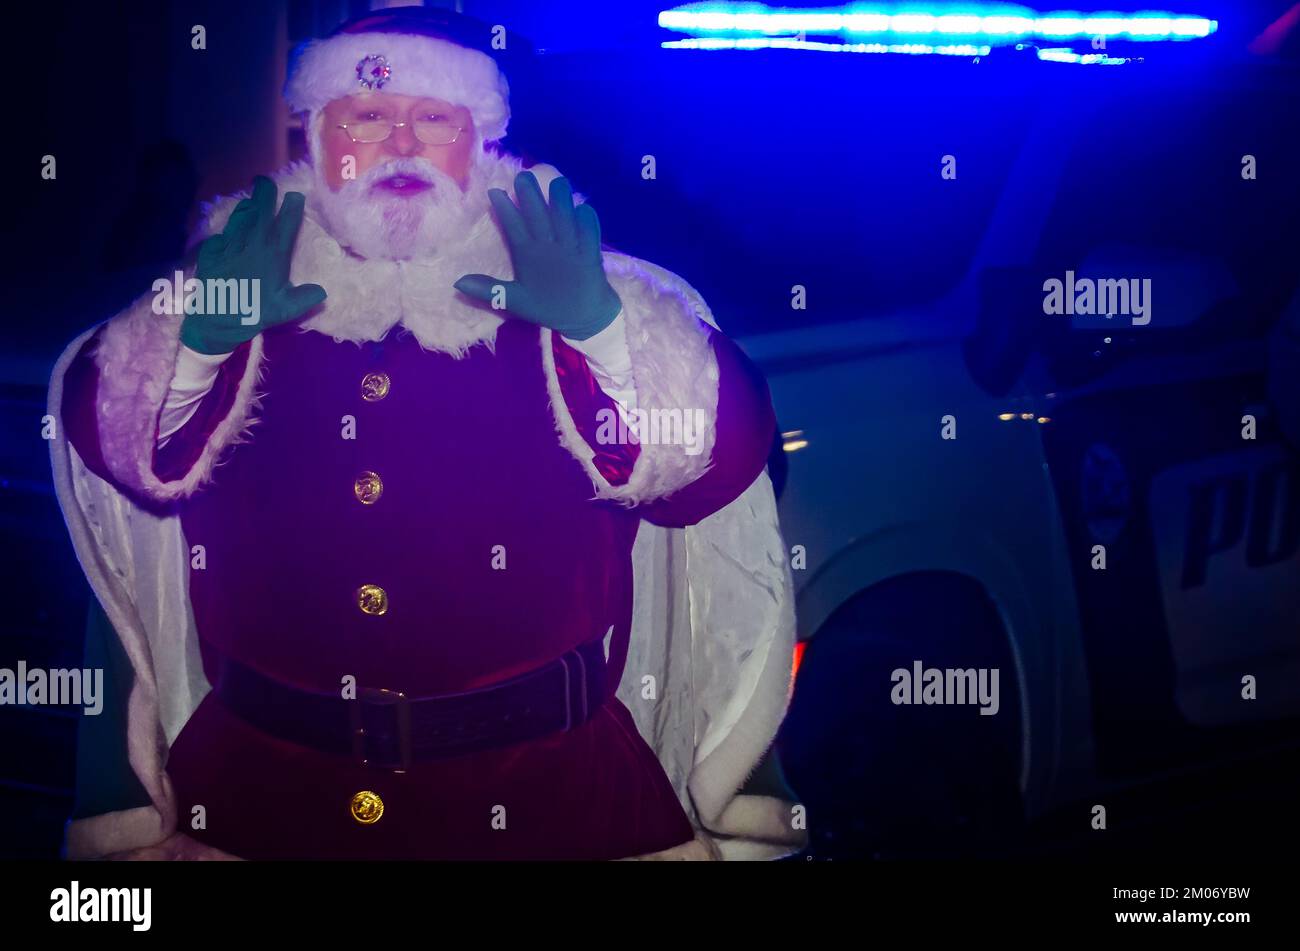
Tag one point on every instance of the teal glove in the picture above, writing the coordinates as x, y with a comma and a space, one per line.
559, 277
256, 245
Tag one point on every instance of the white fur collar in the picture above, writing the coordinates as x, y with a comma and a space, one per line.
367, 298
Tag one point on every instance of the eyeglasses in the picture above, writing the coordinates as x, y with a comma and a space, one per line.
428, 131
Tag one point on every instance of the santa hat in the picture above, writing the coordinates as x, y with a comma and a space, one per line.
412, 51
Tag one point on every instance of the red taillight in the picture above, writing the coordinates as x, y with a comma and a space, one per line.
798, 657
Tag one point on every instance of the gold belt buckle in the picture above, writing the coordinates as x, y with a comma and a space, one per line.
382, 697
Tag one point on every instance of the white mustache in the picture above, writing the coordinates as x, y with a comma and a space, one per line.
419, 170
377, 224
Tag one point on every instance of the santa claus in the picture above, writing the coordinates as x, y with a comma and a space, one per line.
384, 579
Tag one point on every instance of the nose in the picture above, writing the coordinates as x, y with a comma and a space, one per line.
403, 142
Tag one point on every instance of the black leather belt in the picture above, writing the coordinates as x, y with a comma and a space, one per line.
386, 729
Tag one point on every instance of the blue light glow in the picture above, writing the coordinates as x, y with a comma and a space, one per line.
990, 23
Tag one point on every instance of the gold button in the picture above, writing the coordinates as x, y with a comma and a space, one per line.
368, 487
375, 386
367, 807
372, 599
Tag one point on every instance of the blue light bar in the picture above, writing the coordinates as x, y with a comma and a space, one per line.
990, 23
790, 43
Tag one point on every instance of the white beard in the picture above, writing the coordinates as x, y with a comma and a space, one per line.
374, 223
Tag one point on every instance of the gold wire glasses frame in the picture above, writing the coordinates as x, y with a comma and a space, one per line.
430, 133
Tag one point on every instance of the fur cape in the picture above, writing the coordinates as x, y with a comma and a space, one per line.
713, 614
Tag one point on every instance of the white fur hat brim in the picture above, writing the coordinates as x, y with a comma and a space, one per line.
326, 69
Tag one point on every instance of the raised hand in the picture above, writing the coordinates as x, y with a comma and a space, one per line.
559, 276
256, 245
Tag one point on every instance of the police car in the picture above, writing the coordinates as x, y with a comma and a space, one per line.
1101, 507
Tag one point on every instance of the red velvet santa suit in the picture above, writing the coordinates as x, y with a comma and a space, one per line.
468, 457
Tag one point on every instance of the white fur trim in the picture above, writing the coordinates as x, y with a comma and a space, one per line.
96, 837
326, 70
673, 368
701, 848
746, 849
137, 359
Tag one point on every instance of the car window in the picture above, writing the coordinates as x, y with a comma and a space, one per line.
1154, 188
